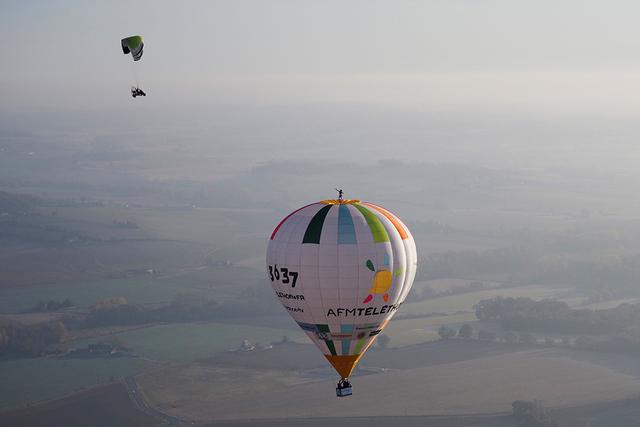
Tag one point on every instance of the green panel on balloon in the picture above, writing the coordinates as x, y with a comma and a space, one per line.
377, 229
325, 328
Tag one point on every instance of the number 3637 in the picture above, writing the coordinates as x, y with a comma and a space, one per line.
283, 275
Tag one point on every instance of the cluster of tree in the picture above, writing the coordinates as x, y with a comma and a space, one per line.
113, 313
30, 340
532, 414
108, 303
52, 305
183, 308
625, 342
73, 202
548, 316
465, 332
34, 230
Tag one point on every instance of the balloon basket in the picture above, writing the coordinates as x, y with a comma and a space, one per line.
344, 389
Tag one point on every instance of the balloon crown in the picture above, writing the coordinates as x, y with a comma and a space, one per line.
340, 201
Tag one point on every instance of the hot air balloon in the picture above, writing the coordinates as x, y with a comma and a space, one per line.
134, 45
341, 268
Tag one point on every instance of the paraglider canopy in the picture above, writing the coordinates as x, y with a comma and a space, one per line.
134, 46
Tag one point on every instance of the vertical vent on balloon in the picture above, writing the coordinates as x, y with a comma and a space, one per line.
314, 229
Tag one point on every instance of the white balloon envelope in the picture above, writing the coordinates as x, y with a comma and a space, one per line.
341, 268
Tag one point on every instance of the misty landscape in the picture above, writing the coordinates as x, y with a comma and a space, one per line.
133, 232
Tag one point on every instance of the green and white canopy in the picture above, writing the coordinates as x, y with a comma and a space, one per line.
133, 45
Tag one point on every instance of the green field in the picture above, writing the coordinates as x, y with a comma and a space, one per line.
233, 234
30, 380
611, 304
465, 302
135, 290
218, 283
485, 383
185, 342
228, 234
414, 331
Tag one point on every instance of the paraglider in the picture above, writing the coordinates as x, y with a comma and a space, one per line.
136, 91
134, 45
341, 268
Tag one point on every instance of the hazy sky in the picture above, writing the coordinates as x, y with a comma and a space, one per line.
563, 57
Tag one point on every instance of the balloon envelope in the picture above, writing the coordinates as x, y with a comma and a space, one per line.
341, 268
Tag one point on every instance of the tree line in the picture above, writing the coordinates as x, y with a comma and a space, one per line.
550, 316
615, 329
602, 278
30, 340
183, 308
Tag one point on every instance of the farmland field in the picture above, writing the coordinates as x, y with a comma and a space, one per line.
218, 283
135, 290
96, 261
465, 302
31, 380
414, 331
98, 407
408, 421
610, 304
204, 391
184, 342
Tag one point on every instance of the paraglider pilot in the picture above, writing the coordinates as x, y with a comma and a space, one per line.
136, 91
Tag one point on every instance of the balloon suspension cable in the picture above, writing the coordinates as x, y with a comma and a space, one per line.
339, 193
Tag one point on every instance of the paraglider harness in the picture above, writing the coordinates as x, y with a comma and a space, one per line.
136, 91
344, 388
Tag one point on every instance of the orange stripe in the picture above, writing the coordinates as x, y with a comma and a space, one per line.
391, 217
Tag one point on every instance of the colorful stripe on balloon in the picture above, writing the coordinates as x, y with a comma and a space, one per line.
346, 228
